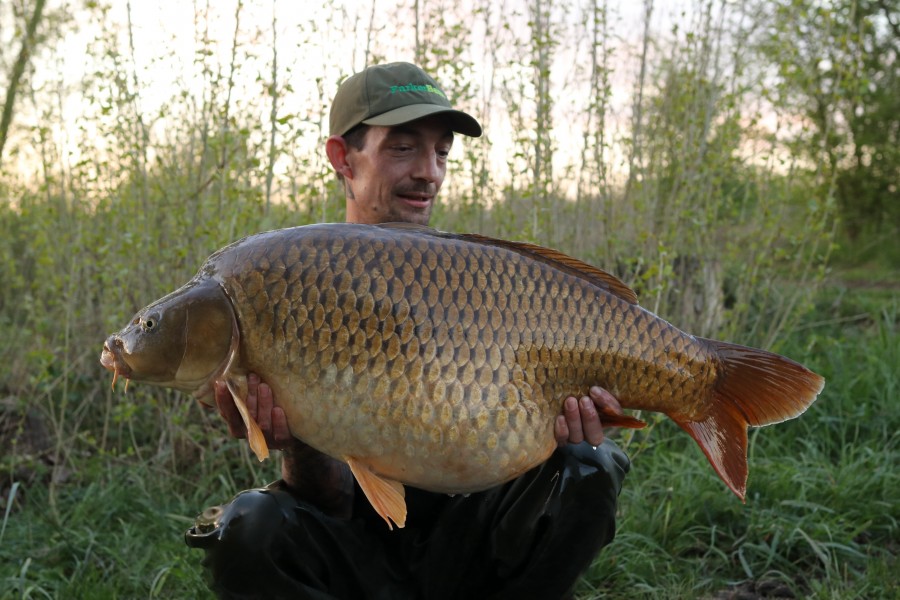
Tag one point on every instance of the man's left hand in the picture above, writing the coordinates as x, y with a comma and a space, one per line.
580, 420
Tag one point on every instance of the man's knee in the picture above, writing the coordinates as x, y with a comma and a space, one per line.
605, 465
241, 539
248, 521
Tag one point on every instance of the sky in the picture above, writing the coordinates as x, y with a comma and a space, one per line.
327, 40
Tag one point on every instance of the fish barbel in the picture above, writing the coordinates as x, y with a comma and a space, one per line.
442, 360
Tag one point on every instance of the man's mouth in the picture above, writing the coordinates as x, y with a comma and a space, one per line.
416, 200
419, 202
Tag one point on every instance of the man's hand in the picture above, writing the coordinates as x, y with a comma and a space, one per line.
262, 409
313, 476
580, 420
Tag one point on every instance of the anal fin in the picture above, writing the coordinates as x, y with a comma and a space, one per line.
385, 495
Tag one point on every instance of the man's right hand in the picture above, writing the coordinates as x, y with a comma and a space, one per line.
261, 408
313, 476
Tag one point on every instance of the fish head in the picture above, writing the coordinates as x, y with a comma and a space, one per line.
182, 341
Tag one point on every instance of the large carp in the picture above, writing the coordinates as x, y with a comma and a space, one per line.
441, 360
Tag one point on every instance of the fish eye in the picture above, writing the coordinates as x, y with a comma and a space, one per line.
149, 323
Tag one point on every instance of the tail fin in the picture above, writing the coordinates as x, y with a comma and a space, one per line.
755, 388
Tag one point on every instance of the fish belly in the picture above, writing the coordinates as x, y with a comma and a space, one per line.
442, 438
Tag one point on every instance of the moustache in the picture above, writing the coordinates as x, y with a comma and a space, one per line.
413, 190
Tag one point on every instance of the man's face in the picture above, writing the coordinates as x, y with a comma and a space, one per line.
398, 172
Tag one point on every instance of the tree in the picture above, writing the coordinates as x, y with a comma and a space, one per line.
837, 66
18, 70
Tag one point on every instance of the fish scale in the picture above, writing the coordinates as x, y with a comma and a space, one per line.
442, 360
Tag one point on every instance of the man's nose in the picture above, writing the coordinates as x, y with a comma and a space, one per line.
428, 167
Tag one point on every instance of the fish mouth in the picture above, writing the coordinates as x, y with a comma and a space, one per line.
111, 358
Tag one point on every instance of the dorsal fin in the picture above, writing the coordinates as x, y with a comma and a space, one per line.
564, 262
555, 258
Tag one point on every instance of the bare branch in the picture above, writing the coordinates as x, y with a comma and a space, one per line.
18, 71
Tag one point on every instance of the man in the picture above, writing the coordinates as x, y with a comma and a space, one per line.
313, 534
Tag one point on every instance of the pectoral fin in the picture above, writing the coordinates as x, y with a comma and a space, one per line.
385, 495
237, 385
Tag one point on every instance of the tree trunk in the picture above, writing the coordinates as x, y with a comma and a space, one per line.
18, 71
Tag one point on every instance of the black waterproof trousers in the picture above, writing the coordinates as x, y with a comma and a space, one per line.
529, 538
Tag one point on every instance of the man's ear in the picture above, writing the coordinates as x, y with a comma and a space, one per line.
336, 149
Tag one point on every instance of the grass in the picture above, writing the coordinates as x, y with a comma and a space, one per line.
820, 519
110, 524
112, 539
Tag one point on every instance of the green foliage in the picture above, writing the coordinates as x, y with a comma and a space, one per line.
836, 65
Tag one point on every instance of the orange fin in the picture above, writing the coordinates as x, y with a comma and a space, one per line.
765, 387
238, 388
606, 281
613, 419
386, 495
755, 388
723, 438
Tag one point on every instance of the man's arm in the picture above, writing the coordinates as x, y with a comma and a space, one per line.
315, 477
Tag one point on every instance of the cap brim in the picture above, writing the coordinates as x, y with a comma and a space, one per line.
459, 121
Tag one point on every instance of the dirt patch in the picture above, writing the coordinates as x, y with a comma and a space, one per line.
755, 590
26, 451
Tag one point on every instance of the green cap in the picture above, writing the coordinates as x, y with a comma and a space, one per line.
393, 94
